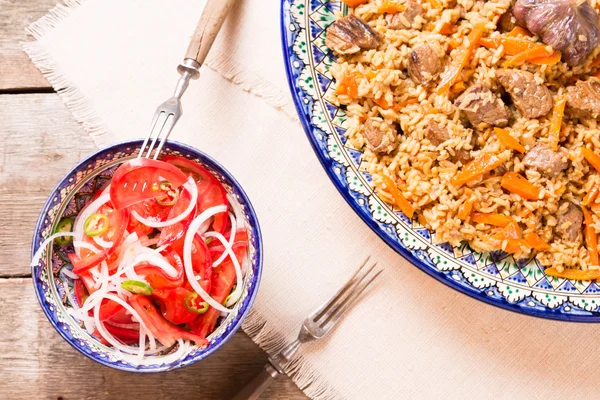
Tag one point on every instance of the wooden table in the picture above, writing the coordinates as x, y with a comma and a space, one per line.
39, 142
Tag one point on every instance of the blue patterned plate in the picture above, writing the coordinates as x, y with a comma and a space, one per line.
495, 278
49, 278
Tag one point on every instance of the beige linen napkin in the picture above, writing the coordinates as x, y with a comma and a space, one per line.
114, 61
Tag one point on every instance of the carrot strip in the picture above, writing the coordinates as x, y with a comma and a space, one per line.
453, 73
574, 274
494, 219
507, 140
516, 245
556, 122
464, 210
399, 107
533, 53
591, 239
519, 31
512, 45
536, 242
591, 157
391, 7
436, 4
596, 62
595, 207
348, 85
552, 59
591, 195
382, 102
399, 198
515, 183
354, 3
447, 29
476, 168
596, 74
422, 220
510, 231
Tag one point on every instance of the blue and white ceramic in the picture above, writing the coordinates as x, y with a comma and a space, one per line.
495, 278
69, 197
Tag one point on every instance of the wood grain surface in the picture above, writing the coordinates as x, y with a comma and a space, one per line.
39, 143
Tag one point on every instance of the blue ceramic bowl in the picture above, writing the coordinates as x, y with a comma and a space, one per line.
68, 198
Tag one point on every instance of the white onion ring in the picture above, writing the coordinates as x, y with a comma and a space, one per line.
85, 245
237, 293
89, 210
187, 256
191, 186
219, 260
38, 254
102, 243
156, 260
70, 274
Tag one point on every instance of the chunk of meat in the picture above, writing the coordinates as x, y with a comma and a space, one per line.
425, 63
381, 137
438, 135
569, 26
584, 98
350, 34
435, 134
405, 19
545, 160
569, 221
532, 99
482, 106
507, 22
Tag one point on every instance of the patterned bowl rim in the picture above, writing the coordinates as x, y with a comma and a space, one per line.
328, 165
252, 291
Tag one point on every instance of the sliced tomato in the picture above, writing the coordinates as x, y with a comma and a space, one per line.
123, 193
223, 279
201, 261
124, 335
162, 329
213, 196
171, 233
191, 168
157, 278
117, 224
79, 292
172, 305
109, 308
149, 209
86, 279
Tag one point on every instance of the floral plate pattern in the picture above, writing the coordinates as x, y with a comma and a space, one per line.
495, 278
49, 278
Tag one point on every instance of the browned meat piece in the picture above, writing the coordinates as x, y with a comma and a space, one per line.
531, 99
584, 98
381, 137
424, 63
482, 106
570, 26
569, 221
351, 34
436, 135
546, 160
506, 23
405, 19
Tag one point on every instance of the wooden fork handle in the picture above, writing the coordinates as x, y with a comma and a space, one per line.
207, 29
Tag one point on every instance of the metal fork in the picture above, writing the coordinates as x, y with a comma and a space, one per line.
315, 326
169, 112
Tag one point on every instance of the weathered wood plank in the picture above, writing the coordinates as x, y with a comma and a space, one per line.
16, 70
40, 143
36, 363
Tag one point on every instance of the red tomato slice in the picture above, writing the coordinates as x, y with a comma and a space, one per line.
223, 279
117, 221
157, 278
171, 233
79, 292
124, 335
172, 305
201, 261
142, 170
213, 196
162, 329
149, 209
191, 168
109, 308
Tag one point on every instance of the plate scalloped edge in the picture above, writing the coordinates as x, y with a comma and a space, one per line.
495, 278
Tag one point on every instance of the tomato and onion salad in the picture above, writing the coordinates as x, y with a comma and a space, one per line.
156, 267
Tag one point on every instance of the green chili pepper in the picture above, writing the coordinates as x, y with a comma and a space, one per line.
95, 224
192, 304
171, 195
137, 287
64, 225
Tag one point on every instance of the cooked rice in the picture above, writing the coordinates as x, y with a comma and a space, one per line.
423, 170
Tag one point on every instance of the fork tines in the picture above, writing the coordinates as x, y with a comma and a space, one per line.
330, 312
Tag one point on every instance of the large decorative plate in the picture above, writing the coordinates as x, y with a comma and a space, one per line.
495, 278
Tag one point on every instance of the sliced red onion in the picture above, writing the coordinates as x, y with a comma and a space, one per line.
191, 187
187, 256
87, 211
237, 293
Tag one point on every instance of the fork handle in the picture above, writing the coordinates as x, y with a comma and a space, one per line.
208, 27
258, 385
